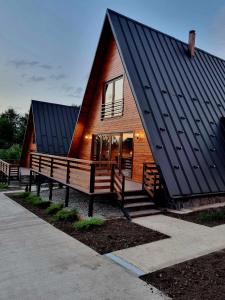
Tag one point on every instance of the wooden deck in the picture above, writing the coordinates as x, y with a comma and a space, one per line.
91, 177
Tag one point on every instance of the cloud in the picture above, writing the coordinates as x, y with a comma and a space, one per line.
37, 78
46, 67
20, 63
58, 76
67, 88
77, 94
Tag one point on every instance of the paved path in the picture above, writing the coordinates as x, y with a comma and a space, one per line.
188, 240
37, 261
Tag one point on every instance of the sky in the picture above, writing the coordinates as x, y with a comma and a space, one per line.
47, 46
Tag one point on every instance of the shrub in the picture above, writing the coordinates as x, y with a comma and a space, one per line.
88, 223
23, 195
3, 186
37, 201
54, 208
43, 204
66, 214
214, 215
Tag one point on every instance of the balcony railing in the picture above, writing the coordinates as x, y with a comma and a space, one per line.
112, 109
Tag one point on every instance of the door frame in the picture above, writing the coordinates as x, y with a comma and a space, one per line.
120, 133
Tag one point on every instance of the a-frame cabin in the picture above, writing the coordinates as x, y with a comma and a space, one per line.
152, 98
151, 121
49, 129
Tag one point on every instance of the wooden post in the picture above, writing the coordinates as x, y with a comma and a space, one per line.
30, 181
91, 206
38, 185
31, 156
123, 189
51, 169
112, 178
92, 178
8, 179
50, 190
68, 172
67, 196
143, 176
39, 164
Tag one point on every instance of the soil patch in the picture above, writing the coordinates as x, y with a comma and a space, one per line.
197, 279
115, 234
200, 217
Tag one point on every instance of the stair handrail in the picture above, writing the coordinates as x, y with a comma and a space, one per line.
151, 188
119, 183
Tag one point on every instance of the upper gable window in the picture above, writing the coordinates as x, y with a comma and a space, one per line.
112, 105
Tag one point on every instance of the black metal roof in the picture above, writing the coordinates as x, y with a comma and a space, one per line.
54, 125
181, 101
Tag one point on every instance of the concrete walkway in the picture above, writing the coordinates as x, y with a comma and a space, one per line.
37, 261
188, 240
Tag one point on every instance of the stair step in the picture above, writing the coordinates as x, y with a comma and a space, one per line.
135, 192
138, 204
143, 213
136, 197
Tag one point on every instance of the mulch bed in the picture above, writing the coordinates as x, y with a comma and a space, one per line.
196, 279
195, 217
114, 235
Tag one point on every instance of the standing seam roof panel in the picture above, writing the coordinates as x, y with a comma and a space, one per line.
54, 125
181, 101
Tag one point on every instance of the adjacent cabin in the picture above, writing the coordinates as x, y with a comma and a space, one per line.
153, 109
49, 129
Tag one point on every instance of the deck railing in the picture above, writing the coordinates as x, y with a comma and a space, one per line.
151, 179
10, 169
85, 175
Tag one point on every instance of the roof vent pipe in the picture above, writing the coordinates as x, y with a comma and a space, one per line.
191, 43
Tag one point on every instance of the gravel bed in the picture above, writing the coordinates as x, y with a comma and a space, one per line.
104, 206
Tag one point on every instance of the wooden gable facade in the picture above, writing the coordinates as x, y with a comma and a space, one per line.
127, 126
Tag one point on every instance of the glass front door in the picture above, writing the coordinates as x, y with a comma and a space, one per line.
127, 154
115, 147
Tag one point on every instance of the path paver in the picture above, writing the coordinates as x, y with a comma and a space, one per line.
188, 240
37, 261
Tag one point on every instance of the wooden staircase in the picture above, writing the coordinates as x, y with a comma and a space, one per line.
137, 203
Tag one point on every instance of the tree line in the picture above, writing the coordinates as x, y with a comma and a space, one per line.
12, 129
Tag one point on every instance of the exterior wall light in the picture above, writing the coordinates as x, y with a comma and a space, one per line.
139, 135
88, 137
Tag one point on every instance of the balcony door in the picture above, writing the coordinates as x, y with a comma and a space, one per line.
116, 147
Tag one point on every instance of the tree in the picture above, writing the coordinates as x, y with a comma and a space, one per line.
6, 133
12, 128
21, 128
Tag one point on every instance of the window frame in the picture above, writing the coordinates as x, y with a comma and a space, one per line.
113, 80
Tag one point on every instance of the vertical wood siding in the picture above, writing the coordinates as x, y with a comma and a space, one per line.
130, 121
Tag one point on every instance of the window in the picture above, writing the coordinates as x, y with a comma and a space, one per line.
112, 105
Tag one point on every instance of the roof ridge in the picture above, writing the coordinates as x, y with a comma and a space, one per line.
52, 103
163, 33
